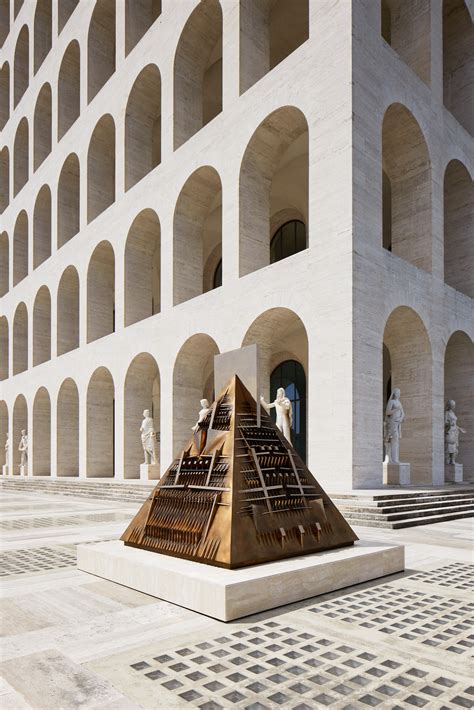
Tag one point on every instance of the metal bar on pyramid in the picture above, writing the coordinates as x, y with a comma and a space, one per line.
181, 458
295, 471
262, 480
213, 415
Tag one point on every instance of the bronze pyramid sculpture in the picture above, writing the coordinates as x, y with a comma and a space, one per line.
239, 495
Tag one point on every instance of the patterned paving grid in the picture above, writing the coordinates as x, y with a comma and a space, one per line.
272, 665
37, 559
58, 521
432, 620
456, 575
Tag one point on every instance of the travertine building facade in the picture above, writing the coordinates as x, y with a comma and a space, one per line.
162, 165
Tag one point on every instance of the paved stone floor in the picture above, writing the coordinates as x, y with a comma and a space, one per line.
70, 640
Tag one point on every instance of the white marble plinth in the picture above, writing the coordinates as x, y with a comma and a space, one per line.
453, 472
396, 474
149, 471
23, 470
5, 469
230, 594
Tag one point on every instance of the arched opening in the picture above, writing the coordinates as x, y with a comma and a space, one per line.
270, 30
409, 359
69, 88
142, 268
101, 168
101, 292
4, 20
20, 339
459, 228
386, 212
68, 311
142, 391
459, 386
20, 157
100, 425
20, 248
42, 126
4, 264
4, 95
406, 164
42, 326
406, 27
193, 380
67, 429
21, 65
41, 434
143, 126
197, 234
458, 62
68, 199
4, 179
4, 342
42, 227
288, 239
43, 31
198, 71
20, 423
3, 433
100, 47
139, 17
283, 362
65, 10
273, 184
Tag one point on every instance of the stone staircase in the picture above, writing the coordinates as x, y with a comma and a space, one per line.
406, 508
101, 489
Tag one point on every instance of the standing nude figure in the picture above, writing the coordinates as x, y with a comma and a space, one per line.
394, 416
284, 412
203, 412
148, 435
451, 432
23, 448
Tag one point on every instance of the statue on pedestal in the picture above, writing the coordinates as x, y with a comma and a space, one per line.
148, 435
284, 412
451, 432
203, 412
394, 416
23, 448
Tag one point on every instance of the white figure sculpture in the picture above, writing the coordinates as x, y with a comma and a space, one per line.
7, 451
394, 416
23, 448
284, 412
148, 435
203, 412
451, 432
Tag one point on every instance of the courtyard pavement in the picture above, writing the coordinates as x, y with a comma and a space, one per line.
70, 640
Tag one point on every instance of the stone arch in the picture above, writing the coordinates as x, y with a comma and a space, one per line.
100, 47
406, 27
459, 386
4, 95
3, 433
139, 17
20, 248
4, 264
42, 227
65, 10
42, 326
270, 30
143, 267
20, 157
68, 200
458, 62
409, 348
43, 32
67, 429
197, 228
42, 126
69, 88
273, 178
17, 5
143, 126
101, 168
41, 464
20, 339
4, 344
198, 71
4, 20
459, 228
20, 423
21, 73
101, 292
68, 311
193, 379
4, 179
101, 425
141, 391
406, 163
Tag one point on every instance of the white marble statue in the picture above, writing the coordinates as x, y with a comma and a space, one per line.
7, 446
203, 412
451, 432
394, 416
148, 434
23, 448
284, 412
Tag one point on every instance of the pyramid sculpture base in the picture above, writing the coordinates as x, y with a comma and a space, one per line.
230, 594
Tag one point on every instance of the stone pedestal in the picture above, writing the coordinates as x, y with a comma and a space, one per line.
453, 472
23, 470
149, 471
396, 474
5, 469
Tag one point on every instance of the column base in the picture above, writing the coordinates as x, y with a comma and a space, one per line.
453, 472
396, 474
5, 469
149, 471
23, 470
